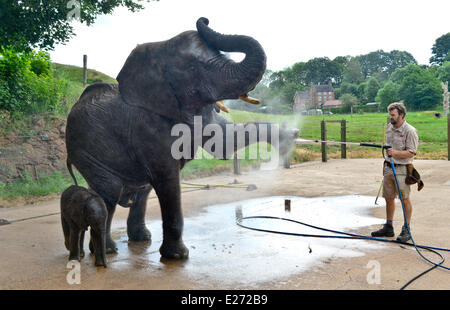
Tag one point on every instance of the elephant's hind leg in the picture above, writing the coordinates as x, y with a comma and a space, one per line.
136, 229
74, 246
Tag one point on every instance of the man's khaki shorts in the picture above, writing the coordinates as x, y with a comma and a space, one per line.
389, 186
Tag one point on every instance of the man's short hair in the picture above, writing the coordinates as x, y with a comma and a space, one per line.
399, 106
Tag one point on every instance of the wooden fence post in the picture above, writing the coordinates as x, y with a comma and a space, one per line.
343, 138
287, 160
324, 138
236, 164
84, 70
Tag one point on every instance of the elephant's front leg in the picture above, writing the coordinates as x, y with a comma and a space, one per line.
169, 196
136, 229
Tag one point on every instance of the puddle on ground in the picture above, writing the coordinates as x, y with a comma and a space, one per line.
223, 252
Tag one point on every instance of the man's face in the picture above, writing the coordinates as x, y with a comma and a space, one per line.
394, 117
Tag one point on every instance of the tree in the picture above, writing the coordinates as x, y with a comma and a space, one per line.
29, 24
343, 60
383, 63
373, 62
321, 70
399, 59
361, 92
388, 94
440, 50
27, 84
296, 74
348, 88
443, 72
372, 89
278, 79
419, 88
353, 72
348, 101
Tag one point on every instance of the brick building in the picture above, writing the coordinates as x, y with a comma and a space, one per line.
314, 98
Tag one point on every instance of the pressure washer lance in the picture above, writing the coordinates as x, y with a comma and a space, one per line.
384, 147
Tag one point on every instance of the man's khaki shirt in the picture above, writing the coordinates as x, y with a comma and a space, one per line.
404, 138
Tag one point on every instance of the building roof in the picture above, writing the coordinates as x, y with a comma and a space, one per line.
323, 88
332, 103
302, 94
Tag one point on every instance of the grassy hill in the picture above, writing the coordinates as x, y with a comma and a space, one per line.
74, 78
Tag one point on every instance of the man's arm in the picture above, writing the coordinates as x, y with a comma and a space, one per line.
399, 154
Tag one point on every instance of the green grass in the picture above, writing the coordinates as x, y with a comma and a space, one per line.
367, 127
74, 77
45, 185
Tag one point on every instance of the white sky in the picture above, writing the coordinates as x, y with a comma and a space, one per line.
289, 31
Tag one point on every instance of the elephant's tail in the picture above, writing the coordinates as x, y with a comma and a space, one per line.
69, 167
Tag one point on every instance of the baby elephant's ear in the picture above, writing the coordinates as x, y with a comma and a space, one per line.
142, 82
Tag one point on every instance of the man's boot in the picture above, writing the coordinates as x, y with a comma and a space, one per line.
386, 231
404, 235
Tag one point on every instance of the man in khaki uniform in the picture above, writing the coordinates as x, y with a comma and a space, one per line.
404, 141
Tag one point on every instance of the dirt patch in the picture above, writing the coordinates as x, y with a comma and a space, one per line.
138, 266
40, 151
22, 201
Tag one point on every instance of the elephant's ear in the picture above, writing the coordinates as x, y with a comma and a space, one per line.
142, 82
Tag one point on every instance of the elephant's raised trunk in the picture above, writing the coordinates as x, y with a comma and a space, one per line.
244, 75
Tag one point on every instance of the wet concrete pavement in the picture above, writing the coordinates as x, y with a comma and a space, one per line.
339, 195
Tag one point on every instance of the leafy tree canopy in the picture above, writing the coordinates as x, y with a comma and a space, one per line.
388, 94
440, 50
321, 70
28, 24
418, 87
443, 73
353, 72
384, 62
372, 89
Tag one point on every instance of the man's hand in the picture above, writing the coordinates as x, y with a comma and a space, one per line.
390, 152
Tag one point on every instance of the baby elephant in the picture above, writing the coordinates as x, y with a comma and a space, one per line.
81, 208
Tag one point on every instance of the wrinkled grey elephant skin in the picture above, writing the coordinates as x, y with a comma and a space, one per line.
119, 136
82, 208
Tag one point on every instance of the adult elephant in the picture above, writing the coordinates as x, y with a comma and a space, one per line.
119, 137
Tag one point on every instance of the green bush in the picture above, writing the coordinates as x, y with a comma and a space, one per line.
348, 100
27, 84
418, 87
